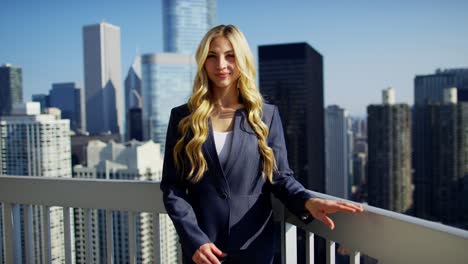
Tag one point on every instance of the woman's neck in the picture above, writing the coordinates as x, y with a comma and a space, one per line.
226, 97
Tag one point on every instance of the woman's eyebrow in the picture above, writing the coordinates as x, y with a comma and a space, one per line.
214, 52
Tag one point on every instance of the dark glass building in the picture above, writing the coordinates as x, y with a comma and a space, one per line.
133, 100
70, 100
43, 99
11, 88
135, 124
291, 77
429, 89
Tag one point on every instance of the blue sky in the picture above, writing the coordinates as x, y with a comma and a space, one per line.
367, 45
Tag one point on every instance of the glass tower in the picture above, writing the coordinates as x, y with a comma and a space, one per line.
185, 22
11, 88
167, 80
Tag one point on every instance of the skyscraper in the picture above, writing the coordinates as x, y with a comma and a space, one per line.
102, 74
69, 99
291, 77
185, 22
338, 153
133, 161
389, 166
133, 101
38, 145
447, 134
429, 89
11, 88
43, 99
167, 82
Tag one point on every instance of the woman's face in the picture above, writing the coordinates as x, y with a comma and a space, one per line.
220, 65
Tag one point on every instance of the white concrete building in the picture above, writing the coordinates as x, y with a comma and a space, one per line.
133, 161
32, 144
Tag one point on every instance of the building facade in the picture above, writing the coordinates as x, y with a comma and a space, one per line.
70, 100
429, 89
32, 144
133, 161
11, 88
167, 83
389, 162
291, 77
103, 82
133, 102
445, 184
338, 152
185, 22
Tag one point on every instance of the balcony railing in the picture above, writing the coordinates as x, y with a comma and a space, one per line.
386, 236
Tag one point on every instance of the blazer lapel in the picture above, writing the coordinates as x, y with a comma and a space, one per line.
241, 129
241, 126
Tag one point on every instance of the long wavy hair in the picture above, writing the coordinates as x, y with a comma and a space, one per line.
201, 107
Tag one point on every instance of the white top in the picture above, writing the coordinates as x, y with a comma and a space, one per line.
223, 142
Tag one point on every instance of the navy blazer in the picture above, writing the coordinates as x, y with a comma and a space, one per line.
231, 205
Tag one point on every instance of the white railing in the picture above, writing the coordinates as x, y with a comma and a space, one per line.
384, 235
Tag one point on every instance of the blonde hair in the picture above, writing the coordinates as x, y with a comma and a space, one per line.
201, 107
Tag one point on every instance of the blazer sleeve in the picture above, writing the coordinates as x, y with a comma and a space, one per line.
285, 187
175, 198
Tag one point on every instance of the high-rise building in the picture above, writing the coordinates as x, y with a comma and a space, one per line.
133, 101
447, 137
102, 74
133, 161
43, 99
338, 151
389, 161
429, 89
167, 82
291, 77
11, 88
185, 22
32, 144
135, 120
69, 99
359, 176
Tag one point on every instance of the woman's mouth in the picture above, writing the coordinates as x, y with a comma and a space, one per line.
222, 75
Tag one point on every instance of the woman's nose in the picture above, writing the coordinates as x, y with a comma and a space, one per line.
221, 63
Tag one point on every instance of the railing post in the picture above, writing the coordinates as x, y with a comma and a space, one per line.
132, 237
1, 232
8, 232
310, 252
88, 235
28, 233
46, 245
330, 252
156, 239
289, 243
355, 257
109, 237
67, 234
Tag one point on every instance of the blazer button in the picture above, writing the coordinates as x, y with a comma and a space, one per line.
224, 196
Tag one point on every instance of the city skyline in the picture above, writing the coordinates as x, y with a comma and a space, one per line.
366, 46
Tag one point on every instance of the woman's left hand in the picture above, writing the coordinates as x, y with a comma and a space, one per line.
319, 208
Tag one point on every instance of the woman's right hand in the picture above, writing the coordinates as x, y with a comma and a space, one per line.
207, 254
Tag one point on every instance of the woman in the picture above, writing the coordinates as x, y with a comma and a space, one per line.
225, 153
